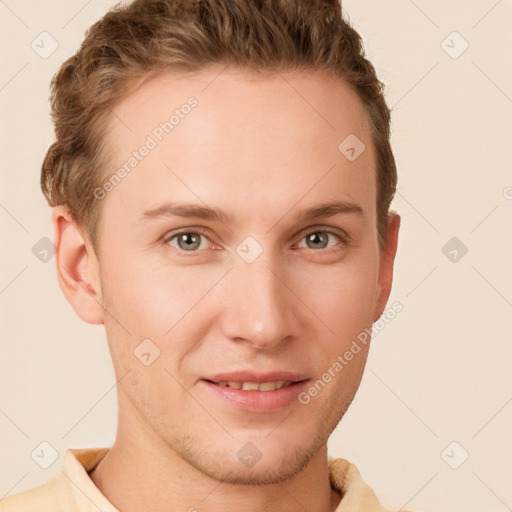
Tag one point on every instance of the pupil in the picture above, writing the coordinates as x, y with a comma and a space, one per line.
314, 238
190, 241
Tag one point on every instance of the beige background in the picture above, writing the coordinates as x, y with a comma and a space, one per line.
440, 372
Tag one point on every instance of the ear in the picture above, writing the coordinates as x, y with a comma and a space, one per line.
77, 267
387, 260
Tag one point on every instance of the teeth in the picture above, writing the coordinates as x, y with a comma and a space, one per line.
250, 386
267, 386
256, 386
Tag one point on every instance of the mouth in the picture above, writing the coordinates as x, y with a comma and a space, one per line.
254, 386
260, 395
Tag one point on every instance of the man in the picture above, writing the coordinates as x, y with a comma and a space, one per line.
220, 185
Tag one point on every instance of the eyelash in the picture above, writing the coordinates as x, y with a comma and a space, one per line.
343, 238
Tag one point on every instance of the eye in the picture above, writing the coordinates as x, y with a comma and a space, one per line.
320, 239
189, 241
195, 241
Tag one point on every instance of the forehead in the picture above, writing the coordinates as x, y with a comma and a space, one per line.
232, 98
241, 136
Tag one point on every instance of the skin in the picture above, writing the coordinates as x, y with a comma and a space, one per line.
260, 151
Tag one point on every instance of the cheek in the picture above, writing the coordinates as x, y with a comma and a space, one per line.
344, 297
145, 292
155, 302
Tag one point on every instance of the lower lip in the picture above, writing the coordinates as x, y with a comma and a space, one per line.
257, 401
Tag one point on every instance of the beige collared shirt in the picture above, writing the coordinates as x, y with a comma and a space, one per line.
72, 490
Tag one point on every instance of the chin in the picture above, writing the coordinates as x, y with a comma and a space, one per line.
262, 473
251, 466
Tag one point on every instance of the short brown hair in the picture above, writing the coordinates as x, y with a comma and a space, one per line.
146, 37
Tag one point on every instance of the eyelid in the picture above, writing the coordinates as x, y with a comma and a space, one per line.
190, 229
201, 231
340, 233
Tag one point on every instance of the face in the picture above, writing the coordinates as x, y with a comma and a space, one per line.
241, 240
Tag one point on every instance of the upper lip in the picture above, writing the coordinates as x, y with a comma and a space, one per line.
249, 376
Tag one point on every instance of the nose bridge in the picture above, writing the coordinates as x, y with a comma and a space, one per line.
259, 307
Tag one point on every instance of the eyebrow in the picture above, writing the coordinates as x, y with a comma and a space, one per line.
204, 212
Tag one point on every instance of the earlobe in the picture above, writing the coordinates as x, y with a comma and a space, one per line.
77, 267
387, 260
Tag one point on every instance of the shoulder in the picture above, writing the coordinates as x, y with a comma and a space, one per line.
356, 494
51, 496
68, 490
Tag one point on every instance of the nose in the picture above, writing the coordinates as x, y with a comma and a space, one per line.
258, 306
